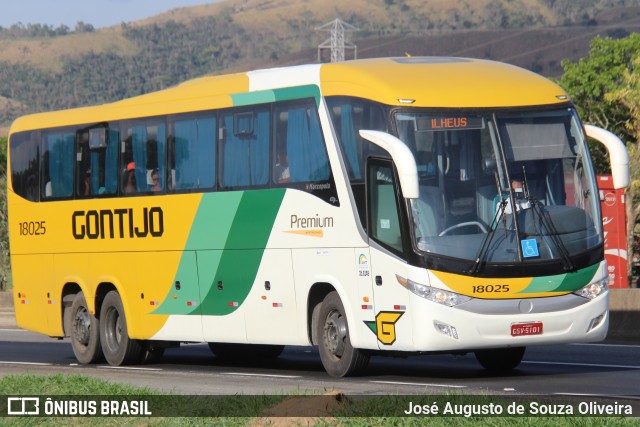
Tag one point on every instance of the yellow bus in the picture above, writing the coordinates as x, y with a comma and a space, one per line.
424, 204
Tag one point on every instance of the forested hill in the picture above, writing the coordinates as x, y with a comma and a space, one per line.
44, 68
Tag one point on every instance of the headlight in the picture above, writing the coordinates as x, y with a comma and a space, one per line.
447, 297
440, 296
595, 289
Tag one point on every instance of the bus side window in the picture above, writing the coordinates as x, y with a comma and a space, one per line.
57, 164
300, 149
96, 162
192, 154
143, 153
245, 138
24, 165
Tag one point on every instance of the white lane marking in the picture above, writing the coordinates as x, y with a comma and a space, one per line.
509, 389
609, 396
8, 362
129, 368
247, 374
418, 384
607, 345
591, 365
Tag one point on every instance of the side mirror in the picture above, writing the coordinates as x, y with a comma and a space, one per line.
618, 155
402, 158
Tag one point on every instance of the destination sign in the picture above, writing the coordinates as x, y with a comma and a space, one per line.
450, 123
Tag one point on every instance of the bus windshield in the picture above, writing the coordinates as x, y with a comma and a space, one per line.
502, 188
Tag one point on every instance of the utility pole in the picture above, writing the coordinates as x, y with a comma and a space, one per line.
337, 42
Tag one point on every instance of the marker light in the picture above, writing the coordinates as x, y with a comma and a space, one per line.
595, 322
417, 288
446, 329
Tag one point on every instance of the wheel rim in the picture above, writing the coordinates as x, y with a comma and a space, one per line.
113, 330
335, 333
82, 326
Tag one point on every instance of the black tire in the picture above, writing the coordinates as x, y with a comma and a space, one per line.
231, 351
117, 347
338, 356
84, 332
500, 359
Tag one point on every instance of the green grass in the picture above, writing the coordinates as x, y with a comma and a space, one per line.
354, 411
81, 386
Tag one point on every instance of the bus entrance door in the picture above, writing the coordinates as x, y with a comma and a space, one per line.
391, 297
391, 324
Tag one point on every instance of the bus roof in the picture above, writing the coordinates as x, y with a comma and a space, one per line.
439, 82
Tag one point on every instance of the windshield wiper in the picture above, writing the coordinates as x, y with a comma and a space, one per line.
486, 242
548, 225
552, 232
484, 247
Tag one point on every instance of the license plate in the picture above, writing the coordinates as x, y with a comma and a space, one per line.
520, 329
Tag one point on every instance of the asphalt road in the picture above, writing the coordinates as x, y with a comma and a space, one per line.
587, 369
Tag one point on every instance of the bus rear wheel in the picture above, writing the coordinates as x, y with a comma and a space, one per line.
85, 331
500, 359
338, 356
117, 347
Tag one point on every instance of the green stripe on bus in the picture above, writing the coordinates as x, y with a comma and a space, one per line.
223, 252
252, 98
284, 94
210, 230
244, 248
568, 282
579, 279
298, 92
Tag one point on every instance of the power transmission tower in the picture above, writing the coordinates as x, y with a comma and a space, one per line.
337, 42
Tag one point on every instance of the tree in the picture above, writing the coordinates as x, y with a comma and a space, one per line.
3, 156
628, 95
605, 87
590, 79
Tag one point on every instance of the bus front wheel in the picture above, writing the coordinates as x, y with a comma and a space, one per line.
85, 332
117, 347
338, 356
500, 359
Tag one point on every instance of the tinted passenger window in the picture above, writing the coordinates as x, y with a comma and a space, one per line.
300, 150
245, 148
97, 162
143, 160
193, 154
349, 116
57, 164
24, 165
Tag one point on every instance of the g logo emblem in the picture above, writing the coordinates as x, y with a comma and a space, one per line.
385, 326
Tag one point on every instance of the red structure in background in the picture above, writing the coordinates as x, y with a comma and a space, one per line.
614, 220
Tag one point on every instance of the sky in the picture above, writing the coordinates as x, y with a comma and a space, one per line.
99, 13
